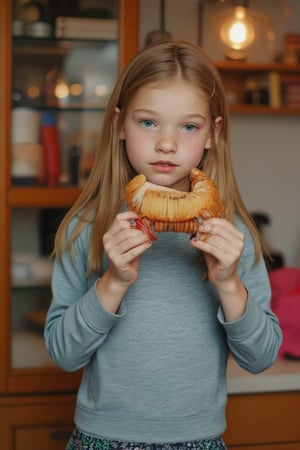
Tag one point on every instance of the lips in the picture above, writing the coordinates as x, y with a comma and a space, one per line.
164, 164
163, 167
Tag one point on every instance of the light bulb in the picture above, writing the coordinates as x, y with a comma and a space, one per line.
237, 31
61, 90
238, 34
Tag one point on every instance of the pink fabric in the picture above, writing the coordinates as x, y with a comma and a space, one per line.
285, 285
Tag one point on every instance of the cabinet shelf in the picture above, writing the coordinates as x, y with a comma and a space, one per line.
237, 66
261, 109
73, 107
31, 283
55, 41
58, 47
250, 90
42, 197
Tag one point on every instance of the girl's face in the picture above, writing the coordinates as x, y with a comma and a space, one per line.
166, 129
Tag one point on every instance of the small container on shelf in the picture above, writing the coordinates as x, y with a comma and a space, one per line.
74, 159
51, 150
38, 29
26, 150
252, 94
26, 164
274, 89
256, 91
17, 28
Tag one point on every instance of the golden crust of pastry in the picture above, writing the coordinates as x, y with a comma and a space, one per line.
171, 210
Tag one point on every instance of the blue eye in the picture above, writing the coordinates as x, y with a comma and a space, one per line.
147, 123
190, 127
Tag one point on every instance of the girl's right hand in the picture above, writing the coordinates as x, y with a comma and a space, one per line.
123, 245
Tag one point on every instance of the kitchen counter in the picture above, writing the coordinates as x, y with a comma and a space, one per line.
284, 375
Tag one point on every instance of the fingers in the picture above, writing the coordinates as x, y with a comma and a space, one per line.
221, 229
122, 236
123, 244
221, 239
222, 245
121, 222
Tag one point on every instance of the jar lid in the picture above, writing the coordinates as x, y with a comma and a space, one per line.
38, 29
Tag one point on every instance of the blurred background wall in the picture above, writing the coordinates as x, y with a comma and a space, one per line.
265, 148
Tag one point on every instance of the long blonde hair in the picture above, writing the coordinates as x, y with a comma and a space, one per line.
102, 196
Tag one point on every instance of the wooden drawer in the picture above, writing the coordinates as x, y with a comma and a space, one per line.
266, 421
37, 422
282, 446
42, 438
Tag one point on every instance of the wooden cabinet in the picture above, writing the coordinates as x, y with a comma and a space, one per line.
283, 446
47, 438
263, 421
36, 422
27, 58
261, 88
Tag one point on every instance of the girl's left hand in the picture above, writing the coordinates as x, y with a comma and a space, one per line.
222, 244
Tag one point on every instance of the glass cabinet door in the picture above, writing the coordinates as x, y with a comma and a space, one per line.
33, 231
65, 62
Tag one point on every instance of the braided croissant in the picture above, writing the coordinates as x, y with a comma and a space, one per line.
167, 209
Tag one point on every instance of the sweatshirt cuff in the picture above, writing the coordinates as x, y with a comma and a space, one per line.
96, 316
242, 328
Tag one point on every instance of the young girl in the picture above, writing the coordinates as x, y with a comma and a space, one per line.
152, 323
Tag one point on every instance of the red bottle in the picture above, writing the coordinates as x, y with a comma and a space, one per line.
51, 149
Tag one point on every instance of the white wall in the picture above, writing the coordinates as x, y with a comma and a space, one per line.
265, 148
266, 157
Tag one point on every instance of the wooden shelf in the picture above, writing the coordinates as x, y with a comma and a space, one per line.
261, 109
42, 197
236, 75
256, 66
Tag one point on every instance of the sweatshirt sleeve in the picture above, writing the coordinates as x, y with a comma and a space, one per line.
77, 323
255, 338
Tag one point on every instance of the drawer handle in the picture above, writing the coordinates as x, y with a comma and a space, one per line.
60, 435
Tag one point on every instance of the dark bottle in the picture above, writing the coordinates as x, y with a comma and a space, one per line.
74, 159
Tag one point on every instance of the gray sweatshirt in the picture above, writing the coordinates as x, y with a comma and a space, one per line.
156, 371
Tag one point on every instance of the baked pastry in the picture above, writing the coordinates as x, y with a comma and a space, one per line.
166, 209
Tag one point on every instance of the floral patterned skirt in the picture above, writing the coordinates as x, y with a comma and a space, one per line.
82, 441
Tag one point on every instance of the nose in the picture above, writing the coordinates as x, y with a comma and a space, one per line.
166, 143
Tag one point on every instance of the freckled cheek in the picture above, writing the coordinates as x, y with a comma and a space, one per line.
135, 143
135, 147
194, 153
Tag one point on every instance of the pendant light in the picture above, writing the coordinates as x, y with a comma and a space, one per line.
239, 27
